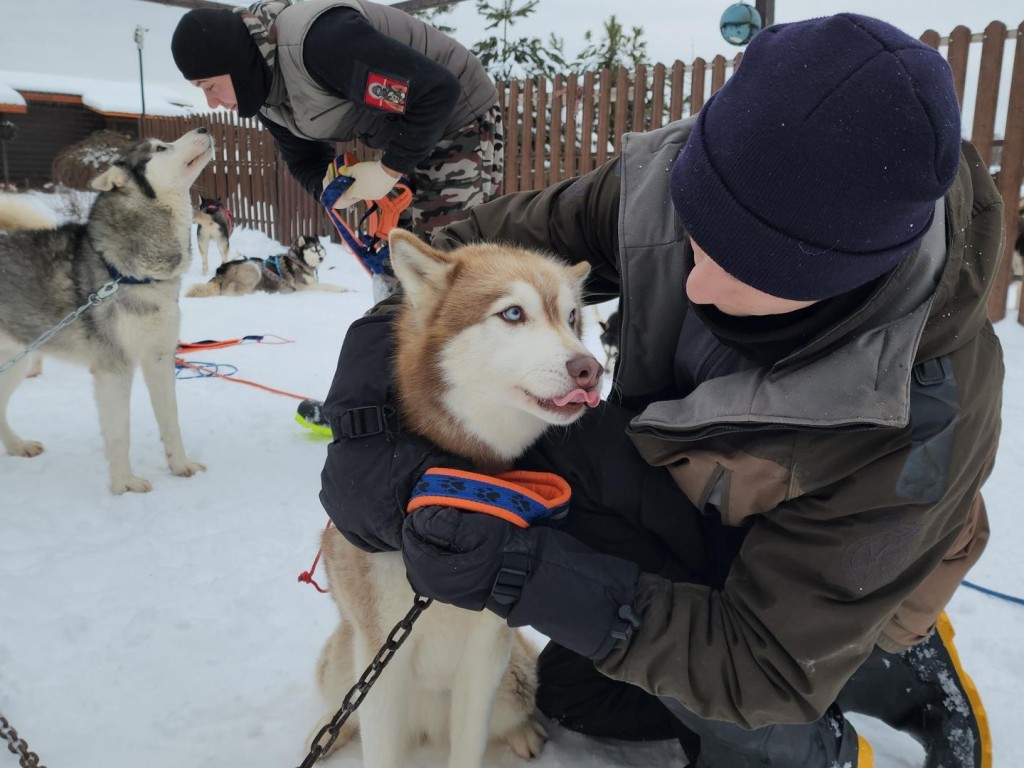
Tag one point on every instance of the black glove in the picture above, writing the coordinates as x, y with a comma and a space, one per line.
372, 463
535, 576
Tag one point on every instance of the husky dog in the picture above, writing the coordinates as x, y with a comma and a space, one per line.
137, 232
214, 223
283, 273
488, 354
17, 215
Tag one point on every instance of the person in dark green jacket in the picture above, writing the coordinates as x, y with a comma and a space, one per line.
773, 509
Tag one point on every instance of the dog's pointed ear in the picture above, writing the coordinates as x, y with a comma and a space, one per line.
114, 176
580, 271
423, 271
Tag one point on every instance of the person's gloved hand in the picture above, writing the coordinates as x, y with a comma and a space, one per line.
372, 182
372, 463
536, 576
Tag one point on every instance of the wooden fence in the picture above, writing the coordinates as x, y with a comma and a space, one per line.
569, 125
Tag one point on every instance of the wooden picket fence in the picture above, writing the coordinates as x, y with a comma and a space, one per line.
570, 125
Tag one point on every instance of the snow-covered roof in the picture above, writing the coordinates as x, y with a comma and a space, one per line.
10, 99
108, 97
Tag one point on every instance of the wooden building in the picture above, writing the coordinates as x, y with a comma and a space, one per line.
51, 112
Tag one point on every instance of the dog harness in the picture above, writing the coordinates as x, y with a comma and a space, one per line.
519, 497
369, 239
272, 269
216, 205
274, 273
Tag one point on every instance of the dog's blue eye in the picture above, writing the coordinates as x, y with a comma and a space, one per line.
513, 315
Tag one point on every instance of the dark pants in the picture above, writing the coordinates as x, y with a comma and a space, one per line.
578, 697
622, 506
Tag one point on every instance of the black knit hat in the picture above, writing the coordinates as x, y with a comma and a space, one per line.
212, 42
817, 166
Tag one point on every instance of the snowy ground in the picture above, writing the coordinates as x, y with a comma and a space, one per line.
168, 629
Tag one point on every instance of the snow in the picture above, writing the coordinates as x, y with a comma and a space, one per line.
169, 629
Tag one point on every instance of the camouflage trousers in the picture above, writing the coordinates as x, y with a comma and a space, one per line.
459, 173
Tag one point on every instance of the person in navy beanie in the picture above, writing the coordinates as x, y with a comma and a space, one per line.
779, 498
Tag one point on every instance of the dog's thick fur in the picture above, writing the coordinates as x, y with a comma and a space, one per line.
18, 215
138, 227
214, 224
284, 273
487, 343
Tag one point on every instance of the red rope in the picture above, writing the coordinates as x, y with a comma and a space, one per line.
306, 577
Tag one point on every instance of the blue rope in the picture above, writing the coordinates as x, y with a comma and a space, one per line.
993, 593
184, 372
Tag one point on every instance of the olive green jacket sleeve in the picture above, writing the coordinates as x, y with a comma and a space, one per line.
576, 219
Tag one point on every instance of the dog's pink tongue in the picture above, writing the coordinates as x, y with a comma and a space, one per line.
591, 398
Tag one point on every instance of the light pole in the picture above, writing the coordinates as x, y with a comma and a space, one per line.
767, 10
140, 35
8, 131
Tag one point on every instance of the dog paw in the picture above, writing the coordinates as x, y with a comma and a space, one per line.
528, 739
186, 467
131, 484
26, 448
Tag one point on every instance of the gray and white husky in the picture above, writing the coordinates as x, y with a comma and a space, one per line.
288, 272
137, 230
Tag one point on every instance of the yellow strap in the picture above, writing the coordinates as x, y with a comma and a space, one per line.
865, 754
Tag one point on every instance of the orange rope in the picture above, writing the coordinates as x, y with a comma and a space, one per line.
200, 345
211, 372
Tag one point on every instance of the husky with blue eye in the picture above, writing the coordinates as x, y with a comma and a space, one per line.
488, 356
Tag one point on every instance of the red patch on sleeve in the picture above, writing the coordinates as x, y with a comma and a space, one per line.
386, 93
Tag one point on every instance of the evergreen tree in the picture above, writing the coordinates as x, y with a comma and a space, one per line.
433, 17
507, 57
616, 48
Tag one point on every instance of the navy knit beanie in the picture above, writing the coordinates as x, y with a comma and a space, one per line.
816, 167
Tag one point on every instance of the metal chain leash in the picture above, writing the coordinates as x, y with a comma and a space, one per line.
95, 299
17, 746
358, 691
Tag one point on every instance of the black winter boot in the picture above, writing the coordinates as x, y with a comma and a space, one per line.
924, 693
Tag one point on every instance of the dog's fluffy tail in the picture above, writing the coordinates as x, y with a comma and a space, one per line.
18, 213
200, 290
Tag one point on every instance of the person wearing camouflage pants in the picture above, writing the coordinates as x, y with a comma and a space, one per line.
325, 71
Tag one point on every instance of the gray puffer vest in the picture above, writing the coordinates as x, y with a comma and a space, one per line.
298, 102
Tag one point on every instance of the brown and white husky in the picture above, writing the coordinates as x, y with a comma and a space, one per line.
488, 357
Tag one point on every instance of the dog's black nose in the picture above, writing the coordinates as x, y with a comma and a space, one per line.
201, 130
